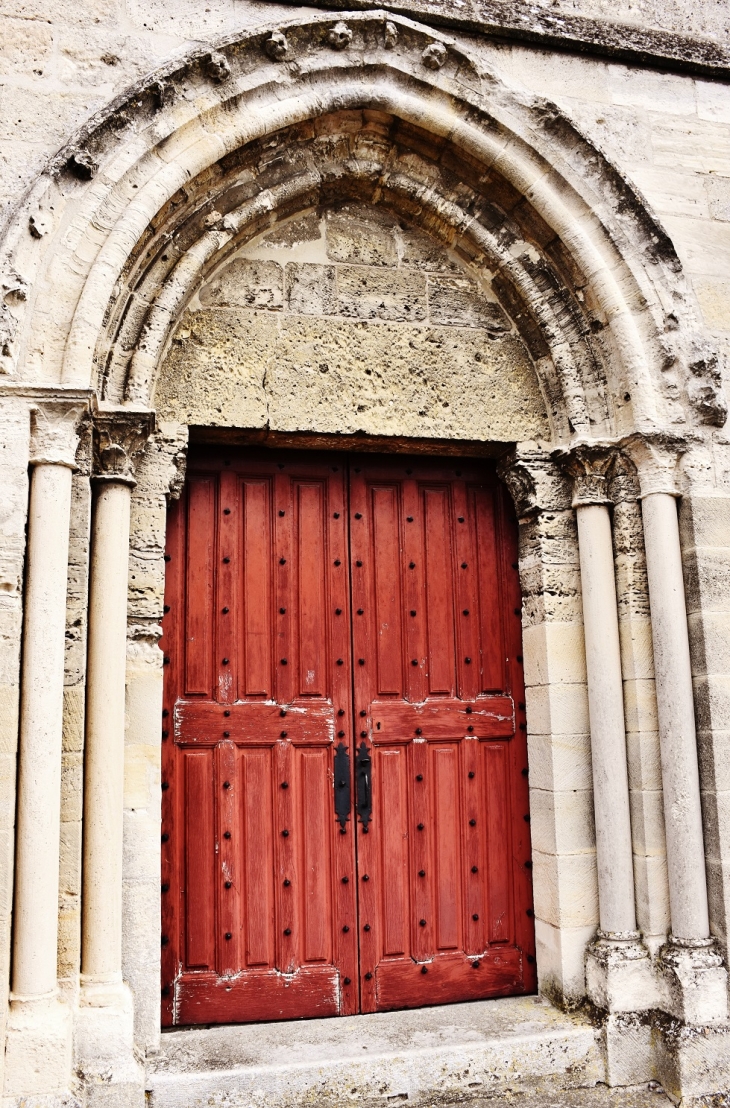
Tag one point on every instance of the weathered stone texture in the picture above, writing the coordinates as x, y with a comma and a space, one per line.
386, 348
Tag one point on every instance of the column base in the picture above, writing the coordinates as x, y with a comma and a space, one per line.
692, 1063
106, 1060
38, 1052
620, 976
695, 982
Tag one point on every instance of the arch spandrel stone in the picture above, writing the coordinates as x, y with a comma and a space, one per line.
153, 148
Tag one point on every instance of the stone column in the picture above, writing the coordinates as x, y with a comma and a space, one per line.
38, 1052
618, 971
105, 1018
696, 979
563, 844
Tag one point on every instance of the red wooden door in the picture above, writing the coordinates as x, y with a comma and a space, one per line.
259, 914
444, 884
271, 555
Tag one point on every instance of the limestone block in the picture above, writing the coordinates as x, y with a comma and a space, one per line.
652, 899
561, 955
647, 822
693, 1062
670, 94
311, 289
718, 891
7, 858
716, 822
644, 760
637, 653
420, 250
551, 593
361, 238
718, 194
7, 785
713, 748
538, 69
705, 521
70, 864
142, 842
141, 772
623, 132
38, 1049
703, 245
565, 889
72, 787
27, 44
141, 956
456, 302
9, 705
709, 640
676, 193
554, 653
561, 821
706, 579
712, 701
24, 114
559, 761
238, 368
713, 102
245, 284
640, 706
562, 709
11, 619
369, 293
73, 718
692, 145
62, 11
713, 297
628, 1043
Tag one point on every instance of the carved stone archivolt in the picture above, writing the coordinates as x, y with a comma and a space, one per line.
120, 435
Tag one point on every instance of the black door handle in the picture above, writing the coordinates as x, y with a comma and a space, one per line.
343, 798
363, 769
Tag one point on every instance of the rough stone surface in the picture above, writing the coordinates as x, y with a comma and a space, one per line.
382, 348
488, 224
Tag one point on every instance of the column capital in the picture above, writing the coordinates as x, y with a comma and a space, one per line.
655, 458
534, 481
55, 427
120, 434
590, 465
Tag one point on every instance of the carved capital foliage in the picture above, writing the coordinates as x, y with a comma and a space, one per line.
534, 481
590, 466
55, 428
120, 434
655, 458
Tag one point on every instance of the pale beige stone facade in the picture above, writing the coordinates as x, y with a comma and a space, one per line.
503, 232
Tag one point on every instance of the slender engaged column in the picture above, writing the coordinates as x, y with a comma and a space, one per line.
38, 1050
101, 954
698, 985
120, 434
605, 696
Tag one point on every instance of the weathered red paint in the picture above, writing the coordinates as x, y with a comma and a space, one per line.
292, 584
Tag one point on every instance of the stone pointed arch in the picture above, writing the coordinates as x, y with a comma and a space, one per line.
151, 194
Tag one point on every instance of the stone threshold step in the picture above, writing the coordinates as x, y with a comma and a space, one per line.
453, 1054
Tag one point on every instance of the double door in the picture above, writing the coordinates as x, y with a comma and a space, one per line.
345, 806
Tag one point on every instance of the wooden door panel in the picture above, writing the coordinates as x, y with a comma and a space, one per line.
439, 701
259, 914
301, 588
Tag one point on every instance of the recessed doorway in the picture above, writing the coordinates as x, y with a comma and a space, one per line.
345, 802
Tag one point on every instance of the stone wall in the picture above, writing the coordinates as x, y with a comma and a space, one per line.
346, 319
350, 321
